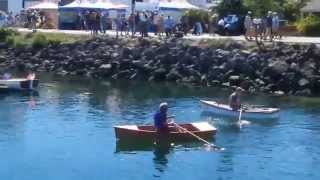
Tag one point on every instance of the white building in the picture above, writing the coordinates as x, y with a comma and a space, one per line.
16, 6
11, 5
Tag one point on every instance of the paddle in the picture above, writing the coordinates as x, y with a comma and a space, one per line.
197, 137
240, 114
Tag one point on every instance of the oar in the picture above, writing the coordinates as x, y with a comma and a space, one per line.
199, 138
240, 114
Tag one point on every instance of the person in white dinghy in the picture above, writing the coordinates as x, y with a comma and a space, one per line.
235, 100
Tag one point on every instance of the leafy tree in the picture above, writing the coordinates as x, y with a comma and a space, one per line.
309, 25
231, 7
291, 9
261, 7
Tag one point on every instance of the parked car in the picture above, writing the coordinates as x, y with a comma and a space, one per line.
231, 25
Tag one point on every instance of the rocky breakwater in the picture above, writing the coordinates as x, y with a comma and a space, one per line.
278, 68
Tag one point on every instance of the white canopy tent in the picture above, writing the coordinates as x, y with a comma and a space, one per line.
143, 6
94, 5
50, 12
45, 5
176, 5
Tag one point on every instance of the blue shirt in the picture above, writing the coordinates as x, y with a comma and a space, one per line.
160, 120
169, 23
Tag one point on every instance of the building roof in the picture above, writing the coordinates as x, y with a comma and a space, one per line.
312, 6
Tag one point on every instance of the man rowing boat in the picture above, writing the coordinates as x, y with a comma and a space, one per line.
161, 119
234, 99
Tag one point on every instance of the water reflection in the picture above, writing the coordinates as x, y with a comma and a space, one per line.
18, 105
160, 160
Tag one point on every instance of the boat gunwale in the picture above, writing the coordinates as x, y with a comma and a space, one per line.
171, 132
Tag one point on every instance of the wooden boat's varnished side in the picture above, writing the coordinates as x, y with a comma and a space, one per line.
148, 133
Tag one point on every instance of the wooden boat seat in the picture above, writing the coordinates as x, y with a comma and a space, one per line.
203, 126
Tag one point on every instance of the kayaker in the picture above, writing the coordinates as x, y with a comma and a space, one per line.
234, 99
160, 119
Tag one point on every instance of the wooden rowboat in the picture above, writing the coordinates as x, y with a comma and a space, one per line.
149, 134
248, 113
19, 84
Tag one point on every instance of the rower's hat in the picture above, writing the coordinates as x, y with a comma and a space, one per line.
164, 104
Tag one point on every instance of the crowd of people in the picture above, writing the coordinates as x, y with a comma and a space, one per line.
143, 22
266, 28
32, 19
138, 23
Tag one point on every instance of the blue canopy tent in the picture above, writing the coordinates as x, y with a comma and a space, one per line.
68, 14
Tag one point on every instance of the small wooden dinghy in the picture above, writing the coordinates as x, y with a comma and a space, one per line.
149, 134
19, 84
248, 113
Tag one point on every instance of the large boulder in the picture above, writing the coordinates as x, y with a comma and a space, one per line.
304, 92
160, 74
173, 75
234, 80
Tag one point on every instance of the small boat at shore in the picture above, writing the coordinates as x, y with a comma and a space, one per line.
131, 133
19, 84
251, 112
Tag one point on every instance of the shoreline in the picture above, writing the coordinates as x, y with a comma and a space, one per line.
205, 36
278, 68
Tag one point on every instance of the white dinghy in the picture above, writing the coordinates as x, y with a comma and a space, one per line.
247, 113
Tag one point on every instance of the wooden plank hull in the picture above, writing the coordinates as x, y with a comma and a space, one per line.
254, 113
148, 134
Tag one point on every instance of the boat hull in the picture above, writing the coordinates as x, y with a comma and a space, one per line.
19, 84
213, 107
143, 134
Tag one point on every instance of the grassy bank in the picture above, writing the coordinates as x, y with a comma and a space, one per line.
17, 39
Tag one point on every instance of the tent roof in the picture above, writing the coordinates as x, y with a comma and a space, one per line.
95, 5
165, 4
176, 4
45, 5
312, 6
142, 6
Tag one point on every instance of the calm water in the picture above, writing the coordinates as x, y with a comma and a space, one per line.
65, 132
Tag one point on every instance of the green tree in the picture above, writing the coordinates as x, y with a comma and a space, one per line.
231, 7
261, 7
291, 9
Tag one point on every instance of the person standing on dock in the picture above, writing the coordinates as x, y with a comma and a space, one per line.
160, 119
234, 99
248, 25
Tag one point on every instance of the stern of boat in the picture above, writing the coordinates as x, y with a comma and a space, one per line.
29, 84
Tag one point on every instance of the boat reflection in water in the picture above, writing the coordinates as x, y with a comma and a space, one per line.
162, 151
